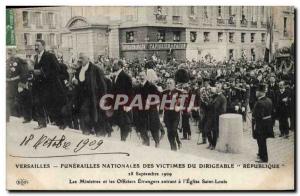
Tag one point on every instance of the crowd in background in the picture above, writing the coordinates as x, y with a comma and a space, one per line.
237, 81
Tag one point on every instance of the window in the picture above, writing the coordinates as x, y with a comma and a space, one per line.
193, 36
129, 37
263, 11
38, 19
219, 11
176, 36
25, 18
230, 54
52, 38
284, 26
159, 10
161, 36
231, 37
243, 10
220, 36
263, 37
205, 12
230, 10
176, 11
192, 10
206, 36
51, 20
39, 36
176, 14
243, 37
160, 13
244, 20
252, 37
26, 39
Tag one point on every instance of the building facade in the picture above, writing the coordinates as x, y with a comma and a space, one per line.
36, 23
192, 32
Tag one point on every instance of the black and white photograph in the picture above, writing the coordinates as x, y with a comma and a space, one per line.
150, 98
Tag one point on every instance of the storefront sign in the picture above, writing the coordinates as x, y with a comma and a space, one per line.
154, 46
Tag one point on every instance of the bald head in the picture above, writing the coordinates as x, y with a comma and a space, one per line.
171, 84
83, 59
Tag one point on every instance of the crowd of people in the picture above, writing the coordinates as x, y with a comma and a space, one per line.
50, 91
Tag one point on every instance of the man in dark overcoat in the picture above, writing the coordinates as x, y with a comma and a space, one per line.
49, 93
272, 94
172, 114
122, 85
219, 105
262, 125
91, 87
148, 115
283, 108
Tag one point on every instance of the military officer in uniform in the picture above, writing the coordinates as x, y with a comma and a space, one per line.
262, 122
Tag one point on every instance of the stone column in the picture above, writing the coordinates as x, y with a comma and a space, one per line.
114, 42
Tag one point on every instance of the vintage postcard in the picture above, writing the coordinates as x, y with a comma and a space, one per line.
155, 98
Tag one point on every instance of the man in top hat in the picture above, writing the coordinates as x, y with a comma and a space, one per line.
262, 122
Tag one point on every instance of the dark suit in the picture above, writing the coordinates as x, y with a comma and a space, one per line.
89, 93
253, 82
262, 125
108, 118
49, 92
171, 119
283, 111
148, 119
272, 94
122, 84
219, 105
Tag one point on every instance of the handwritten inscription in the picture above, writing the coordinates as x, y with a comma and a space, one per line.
60, 142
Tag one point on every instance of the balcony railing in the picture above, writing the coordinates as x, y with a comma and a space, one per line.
207, 22
254, 24
221, 22
177, 19
263, 25
160, 18
244, 23
231, 22
193, 20
226, 22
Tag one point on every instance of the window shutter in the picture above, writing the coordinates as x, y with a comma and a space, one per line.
44, 19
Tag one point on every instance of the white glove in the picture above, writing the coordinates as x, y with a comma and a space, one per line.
127, 109
20, 89
243, 109
74, 81
236, 108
